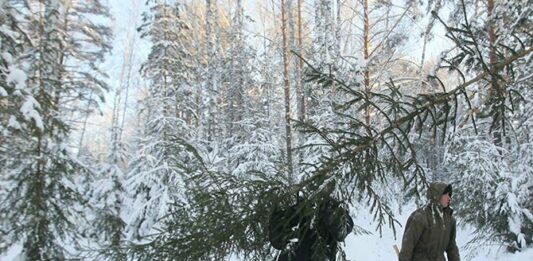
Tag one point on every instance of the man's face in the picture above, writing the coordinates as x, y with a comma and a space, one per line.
445, 200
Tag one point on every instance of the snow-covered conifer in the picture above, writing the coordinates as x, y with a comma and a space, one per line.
159, 163
62, 49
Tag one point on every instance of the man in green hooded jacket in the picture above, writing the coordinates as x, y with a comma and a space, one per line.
430, 230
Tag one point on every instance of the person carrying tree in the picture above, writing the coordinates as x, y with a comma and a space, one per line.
309, 230
430, 231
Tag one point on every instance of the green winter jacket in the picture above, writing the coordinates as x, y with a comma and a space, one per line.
430, 231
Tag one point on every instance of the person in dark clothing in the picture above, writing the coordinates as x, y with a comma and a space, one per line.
430, 231
307, 231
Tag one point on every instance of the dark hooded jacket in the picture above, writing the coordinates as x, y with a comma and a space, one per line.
430, 231
316, 241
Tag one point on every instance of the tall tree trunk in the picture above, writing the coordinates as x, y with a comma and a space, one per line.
130, 58
240, 39
366, 52
40, 236
496, 91
338, 29
300, 83
208, 96
235, 95
320, 39
84, 126
286, 63
329, 33
300, 93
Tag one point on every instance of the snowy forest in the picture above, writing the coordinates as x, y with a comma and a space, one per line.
171, 129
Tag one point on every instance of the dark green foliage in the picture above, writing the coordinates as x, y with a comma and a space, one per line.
41, 204
223, 214
486, 159
364, 155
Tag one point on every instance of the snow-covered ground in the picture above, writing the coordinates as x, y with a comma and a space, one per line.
375, 248
12, 254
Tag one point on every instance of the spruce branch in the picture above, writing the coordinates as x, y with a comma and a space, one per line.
349, 150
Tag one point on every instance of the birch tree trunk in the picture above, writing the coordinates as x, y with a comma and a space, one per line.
129, 61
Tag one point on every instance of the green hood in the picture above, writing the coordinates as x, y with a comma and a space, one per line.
435, 190
430, 231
